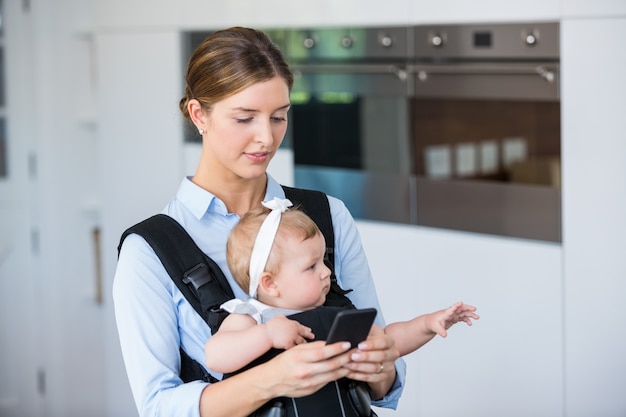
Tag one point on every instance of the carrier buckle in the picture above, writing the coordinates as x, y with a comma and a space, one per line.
197, 276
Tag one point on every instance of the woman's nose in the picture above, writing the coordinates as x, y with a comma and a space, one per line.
264, 134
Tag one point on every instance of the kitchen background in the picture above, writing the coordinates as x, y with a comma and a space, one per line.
91, 141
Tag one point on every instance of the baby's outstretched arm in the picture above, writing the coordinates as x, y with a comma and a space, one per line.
413, 334
442, 320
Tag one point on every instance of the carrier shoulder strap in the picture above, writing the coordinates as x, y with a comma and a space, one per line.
197, 276
315, 205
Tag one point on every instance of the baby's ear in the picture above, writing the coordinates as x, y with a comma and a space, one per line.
268, 284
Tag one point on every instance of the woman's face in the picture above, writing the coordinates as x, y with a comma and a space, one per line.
244, 130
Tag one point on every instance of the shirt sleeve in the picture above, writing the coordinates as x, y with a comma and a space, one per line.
353, 273
147, 323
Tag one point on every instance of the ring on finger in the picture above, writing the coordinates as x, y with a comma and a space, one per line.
382, 367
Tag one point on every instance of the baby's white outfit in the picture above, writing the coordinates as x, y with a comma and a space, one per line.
260, 312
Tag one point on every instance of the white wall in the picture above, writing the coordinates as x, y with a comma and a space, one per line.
549, 341
594, 225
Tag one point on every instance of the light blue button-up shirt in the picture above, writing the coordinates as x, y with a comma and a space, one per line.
154, 319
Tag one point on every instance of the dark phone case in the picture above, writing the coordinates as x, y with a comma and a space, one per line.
351, 326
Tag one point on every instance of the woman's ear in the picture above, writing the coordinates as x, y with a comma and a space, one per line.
196, 113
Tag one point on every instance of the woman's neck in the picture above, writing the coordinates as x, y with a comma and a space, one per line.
238, 194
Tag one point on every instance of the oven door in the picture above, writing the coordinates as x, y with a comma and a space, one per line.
486, 140
349, 131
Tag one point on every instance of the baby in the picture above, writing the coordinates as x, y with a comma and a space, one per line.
276, 254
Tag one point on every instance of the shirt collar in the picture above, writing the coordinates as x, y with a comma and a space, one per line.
198, 200
274, 189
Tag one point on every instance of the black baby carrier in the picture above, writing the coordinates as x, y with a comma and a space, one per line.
204, 285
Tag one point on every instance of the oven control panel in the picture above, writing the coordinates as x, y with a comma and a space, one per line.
509, 41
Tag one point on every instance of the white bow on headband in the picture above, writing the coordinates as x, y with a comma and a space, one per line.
264, 241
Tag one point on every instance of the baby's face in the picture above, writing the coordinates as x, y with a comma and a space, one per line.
303, 279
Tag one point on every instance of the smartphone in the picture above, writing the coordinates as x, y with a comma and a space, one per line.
351, 326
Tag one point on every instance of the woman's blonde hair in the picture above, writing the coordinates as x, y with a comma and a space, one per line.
228, 61
293, 223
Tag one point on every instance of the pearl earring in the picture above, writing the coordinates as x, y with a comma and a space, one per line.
201, 132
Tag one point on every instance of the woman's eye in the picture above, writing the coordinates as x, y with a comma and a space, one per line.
279, 119
246, 120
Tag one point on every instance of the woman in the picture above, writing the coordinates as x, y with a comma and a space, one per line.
237, 96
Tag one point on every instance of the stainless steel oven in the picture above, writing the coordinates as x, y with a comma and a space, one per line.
350, 117
486, 129
448, 126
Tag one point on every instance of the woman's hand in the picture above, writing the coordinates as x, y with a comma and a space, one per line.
373, 362
305, 368
296, 372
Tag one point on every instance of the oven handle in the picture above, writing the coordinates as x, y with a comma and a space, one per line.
399, 72
423, 71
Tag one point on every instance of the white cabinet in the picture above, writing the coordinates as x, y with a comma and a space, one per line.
199, 14
460, 11
597, 8
196, 14
594, 226
51, 322
509, 362
21, 311
141, 156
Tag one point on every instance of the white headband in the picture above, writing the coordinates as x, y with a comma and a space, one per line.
265, 240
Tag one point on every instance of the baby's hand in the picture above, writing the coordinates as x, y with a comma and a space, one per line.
444, 319
285, 333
